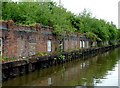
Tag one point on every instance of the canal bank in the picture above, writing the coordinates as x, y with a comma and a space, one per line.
100, 70
17, 68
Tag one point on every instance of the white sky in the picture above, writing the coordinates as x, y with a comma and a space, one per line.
101, 9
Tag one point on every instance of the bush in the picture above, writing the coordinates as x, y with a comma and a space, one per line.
112, 43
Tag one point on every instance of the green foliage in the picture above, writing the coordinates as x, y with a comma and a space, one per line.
119, 40
7, 59
112, 43
49, 14
41, 54
79, 52
27, 56
2, 57
93, 37
73, 54
55, 58
56, 52
61, 57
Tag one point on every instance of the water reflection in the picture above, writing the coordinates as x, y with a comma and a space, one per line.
100, 70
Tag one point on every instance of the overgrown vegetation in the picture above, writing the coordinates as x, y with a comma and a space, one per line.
2, 58
41, 54
49, 14
61, 57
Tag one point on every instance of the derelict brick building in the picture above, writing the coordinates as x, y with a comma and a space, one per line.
20, 41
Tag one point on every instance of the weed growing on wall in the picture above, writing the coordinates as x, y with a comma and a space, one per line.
61, 57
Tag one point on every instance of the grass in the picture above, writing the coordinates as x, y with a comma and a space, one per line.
7, 59
41, 54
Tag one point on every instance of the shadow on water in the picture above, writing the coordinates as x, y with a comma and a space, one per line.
86, 71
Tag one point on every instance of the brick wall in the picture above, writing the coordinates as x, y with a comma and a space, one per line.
20, 41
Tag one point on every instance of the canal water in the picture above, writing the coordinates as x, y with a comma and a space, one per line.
92, 70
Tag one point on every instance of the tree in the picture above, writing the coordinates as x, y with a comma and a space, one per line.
49, 14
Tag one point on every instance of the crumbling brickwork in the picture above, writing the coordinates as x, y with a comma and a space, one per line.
22, 41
